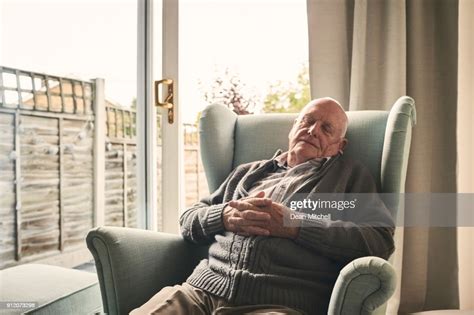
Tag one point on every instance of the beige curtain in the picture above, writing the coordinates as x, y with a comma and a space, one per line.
367, 53
466, 147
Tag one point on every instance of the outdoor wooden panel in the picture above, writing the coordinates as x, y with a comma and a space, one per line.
121, 189
191, 168
7, 188
131, 186
77, 181
39, 184
47, 165
114, 185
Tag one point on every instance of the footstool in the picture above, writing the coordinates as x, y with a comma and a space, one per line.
43, 289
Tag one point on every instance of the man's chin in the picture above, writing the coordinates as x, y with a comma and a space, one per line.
309, 146
306, 154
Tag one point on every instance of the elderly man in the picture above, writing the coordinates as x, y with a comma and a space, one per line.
257, 263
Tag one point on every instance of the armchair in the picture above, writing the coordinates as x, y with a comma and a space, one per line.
133, 265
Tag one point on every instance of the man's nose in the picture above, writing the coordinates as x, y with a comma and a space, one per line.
313, 130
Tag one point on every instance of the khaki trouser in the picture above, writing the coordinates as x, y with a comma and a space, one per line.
186, 299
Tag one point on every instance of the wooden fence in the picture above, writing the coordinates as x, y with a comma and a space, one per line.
47, 130
195, 179
120, 167
46, 153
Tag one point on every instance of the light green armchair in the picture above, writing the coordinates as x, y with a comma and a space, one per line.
133, 265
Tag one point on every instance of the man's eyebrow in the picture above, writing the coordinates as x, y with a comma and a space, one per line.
329, 124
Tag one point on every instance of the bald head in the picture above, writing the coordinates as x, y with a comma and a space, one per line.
331, 105
318, 131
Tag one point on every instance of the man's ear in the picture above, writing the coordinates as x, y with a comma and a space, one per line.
343, 144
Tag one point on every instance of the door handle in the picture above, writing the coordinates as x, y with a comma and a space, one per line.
168, 101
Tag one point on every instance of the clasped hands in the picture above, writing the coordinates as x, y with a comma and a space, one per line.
257, 215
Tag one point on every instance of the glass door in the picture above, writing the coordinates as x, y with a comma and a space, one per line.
82, 143
160, 121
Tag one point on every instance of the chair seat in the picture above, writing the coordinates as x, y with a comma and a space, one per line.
53, 290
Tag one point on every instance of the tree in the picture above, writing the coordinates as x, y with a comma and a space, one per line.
287, 97
229, 90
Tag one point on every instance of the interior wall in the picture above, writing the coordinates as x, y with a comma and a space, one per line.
466, 147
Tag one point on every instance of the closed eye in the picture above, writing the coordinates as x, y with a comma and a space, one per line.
305, 121
327, 129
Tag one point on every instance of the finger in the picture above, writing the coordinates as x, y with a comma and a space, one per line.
260, 194
243, 222
260, 202
242, 205
256, 230
255, 215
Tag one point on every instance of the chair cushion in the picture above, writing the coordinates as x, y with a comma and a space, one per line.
55, 290
257, 137
216, 131
366, 134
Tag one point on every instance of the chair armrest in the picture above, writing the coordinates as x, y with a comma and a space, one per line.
362, 286
132, 264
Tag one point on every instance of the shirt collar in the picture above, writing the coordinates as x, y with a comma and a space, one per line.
279, 158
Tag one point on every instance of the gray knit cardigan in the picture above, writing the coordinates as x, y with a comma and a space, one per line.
296, 273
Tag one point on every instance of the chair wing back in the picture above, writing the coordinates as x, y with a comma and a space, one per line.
380, 139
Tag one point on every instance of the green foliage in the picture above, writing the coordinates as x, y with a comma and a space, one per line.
229, 90
285, 97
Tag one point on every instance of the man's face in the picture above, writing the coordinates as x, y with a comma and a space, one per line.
318, 131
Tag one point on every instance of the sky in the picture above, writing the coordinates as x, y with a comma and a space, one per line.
263, 41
